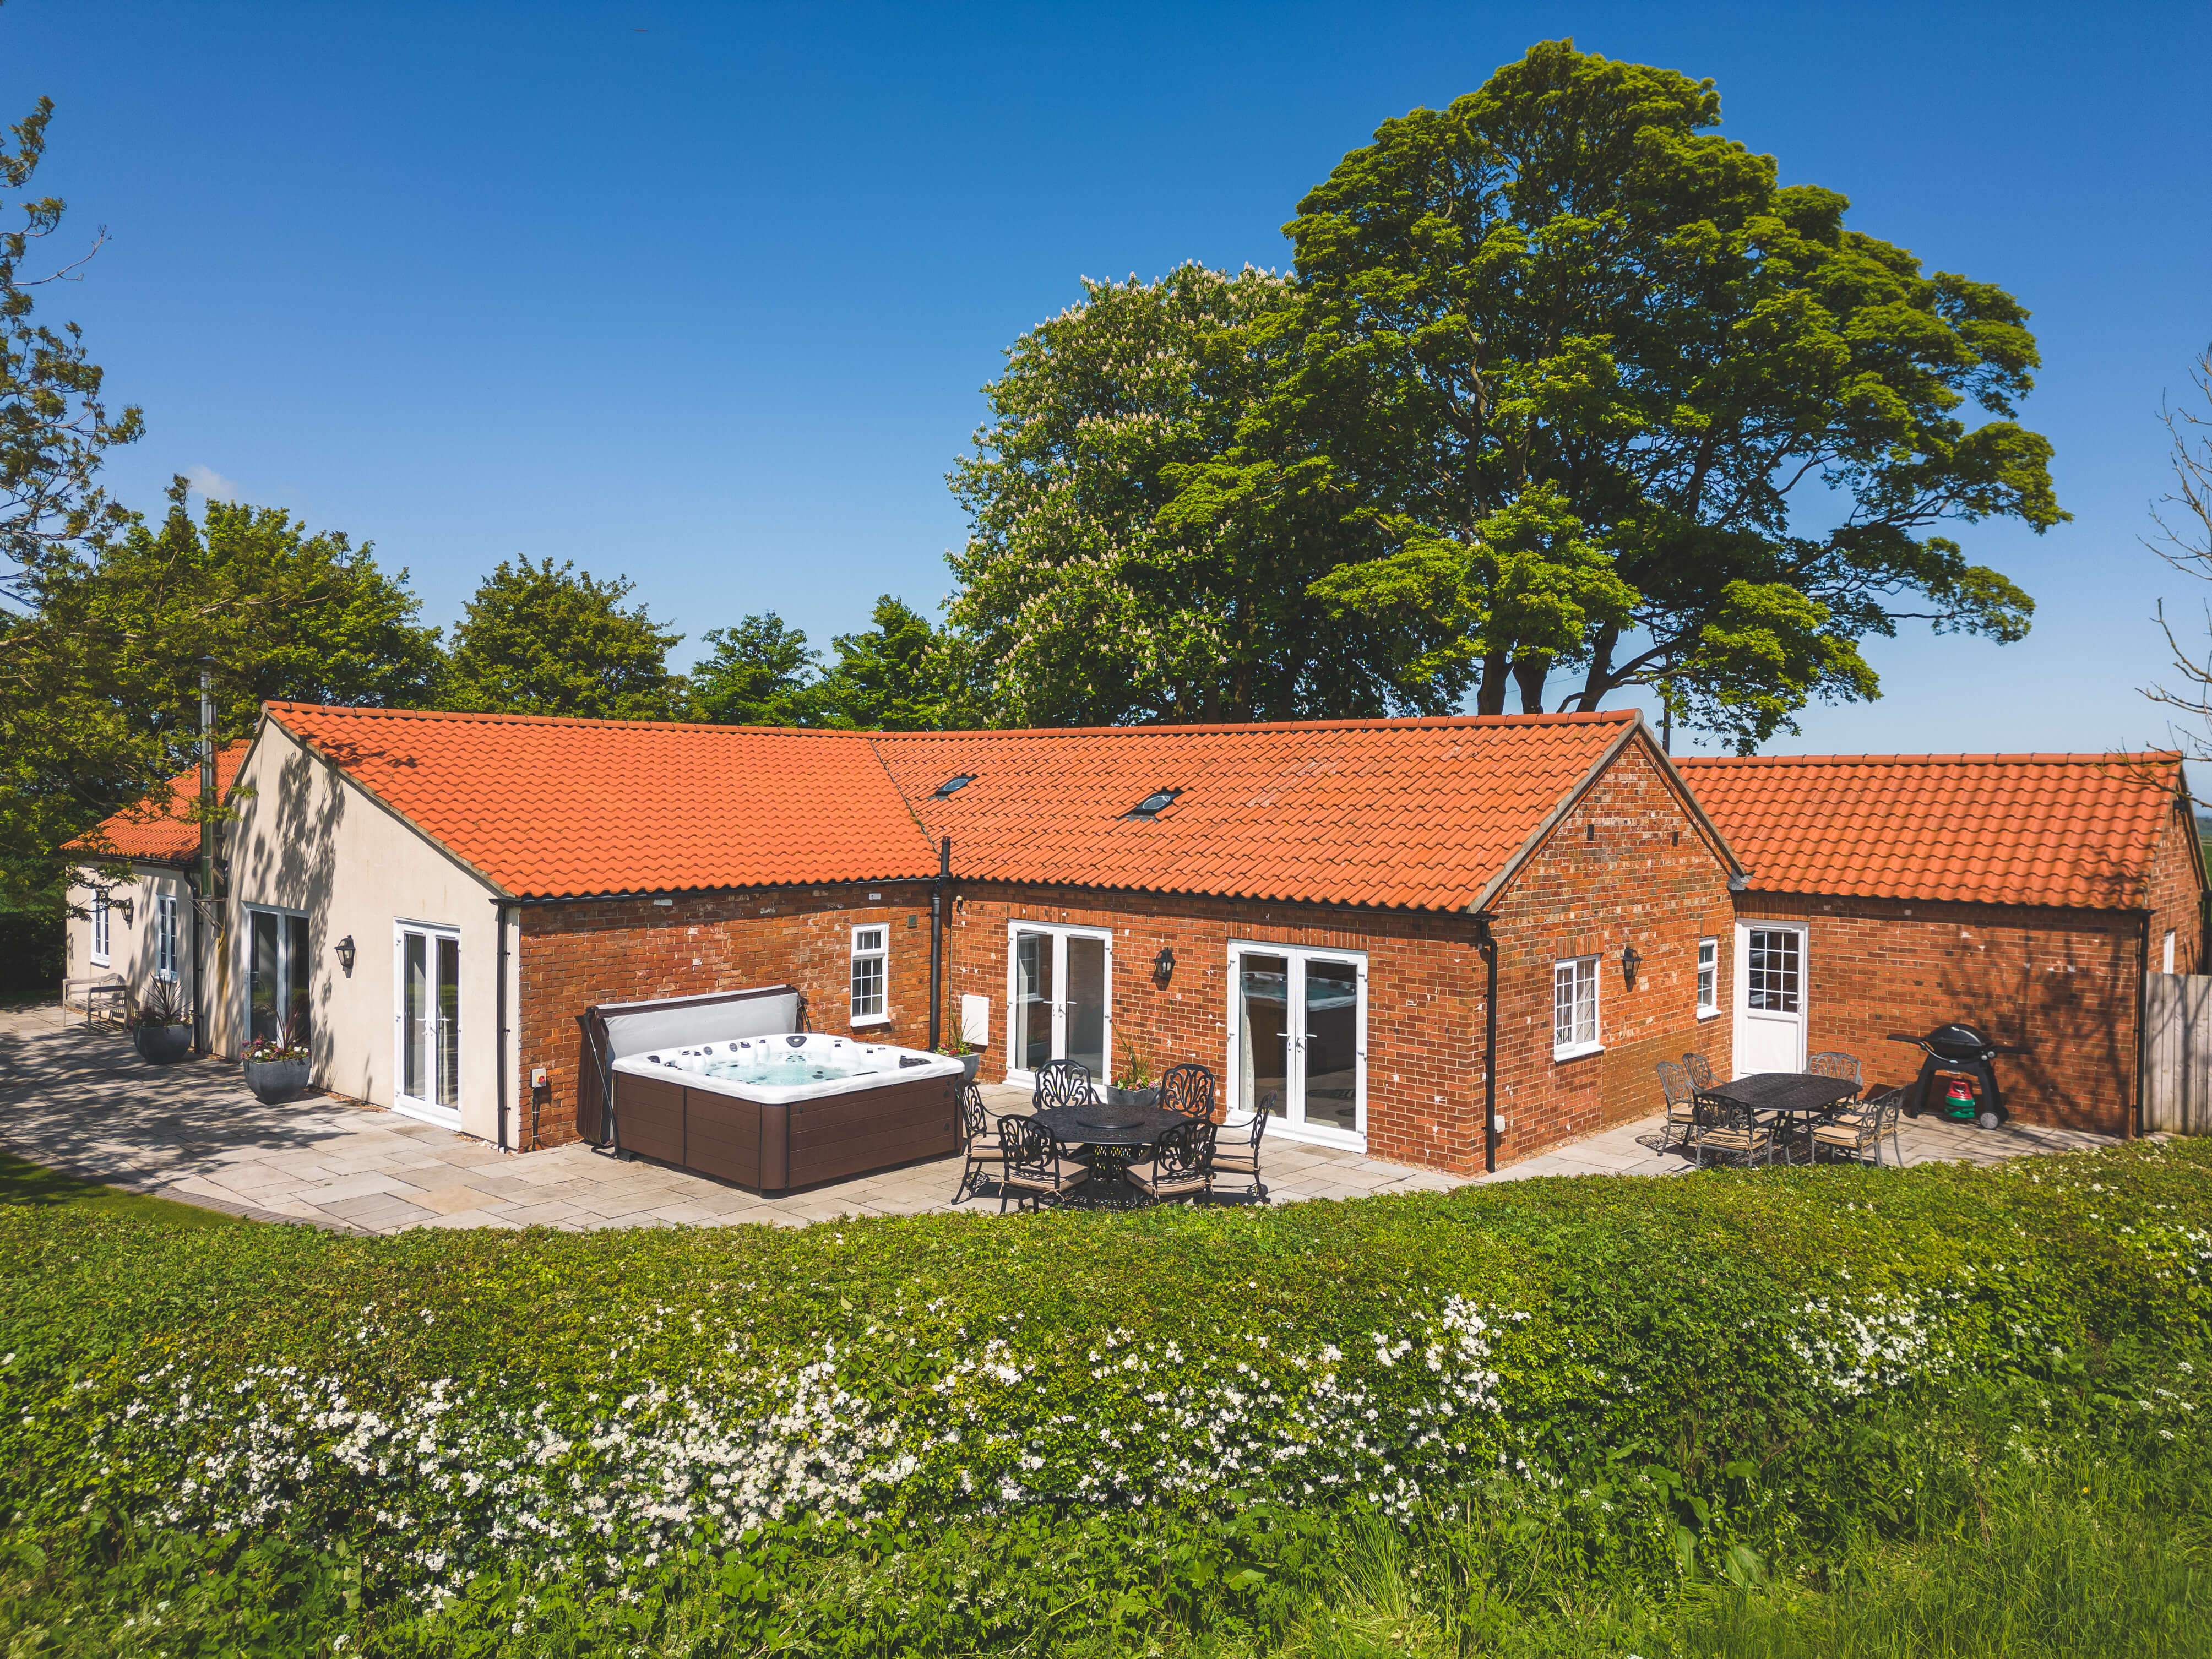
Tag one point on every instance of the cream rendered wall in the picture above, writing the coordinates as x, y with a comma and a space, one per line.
309, 838
129, 943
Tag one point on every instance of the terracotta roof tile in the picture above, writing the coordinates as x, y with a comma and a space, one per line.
550, 807
2062, 830
1418, 814
165, 832
1414, 813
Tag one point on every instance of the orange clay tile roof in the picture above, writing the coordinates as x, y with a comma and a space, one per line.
1416, 814
157, 832
545, 806
1419, 814
2062, 830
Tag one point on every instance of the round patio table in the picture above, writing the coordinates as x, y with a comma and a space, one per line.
1787, 1096
1115, 1135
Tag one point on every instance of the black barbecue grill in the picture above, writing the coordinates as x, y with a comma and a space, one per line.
1958, 1050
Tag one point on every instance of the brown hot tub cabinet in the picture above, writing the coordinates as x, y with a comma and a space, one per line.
767, 1144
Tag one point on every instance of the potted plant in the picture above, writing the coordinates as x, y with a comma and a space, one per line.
276, 1068
971, 1060
1133, 1085
161, 1029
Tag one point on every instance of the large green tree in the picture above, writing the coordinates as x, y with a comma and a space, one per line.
888, 676
541, 641
100, 679
1564, 299
760, 672
1082, 600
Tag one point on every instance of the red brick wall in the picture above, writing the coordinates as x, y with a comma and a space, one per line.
1424, 990
624, 950
2175, 893
2059, 984
1627, 866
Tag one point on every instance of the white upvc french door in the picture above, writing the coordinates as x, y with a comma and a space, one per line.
1771, 987
1060, 998
426, 963
1297, 1040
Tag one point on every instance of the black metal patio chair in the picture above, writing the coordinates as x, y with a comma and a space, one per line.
1037, 1172
1187, 1091
1681, 1104
1062, 1083
1699, 1068
985, 1156
1834, 1062
1236, 1149
1731, 1127
1180, 1167
1859, 1128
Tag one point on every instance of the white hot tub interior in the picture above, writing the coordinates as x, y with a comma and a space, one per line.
791, 1059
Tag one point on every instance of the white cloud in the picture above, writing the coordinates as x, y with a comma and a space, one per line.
212, 484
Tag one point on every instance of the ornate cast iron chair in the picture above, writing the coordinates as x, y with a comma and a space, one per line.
1037, 1172
1181, 1166
1681, 1104
1731, 1127
1062, 1083
985, 1156
1237, 1149
1859, 1128
1188, 1091
1699, 1069
1835, 1063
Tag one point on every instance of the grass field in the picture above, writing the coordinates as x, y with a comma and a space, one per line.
35, 1187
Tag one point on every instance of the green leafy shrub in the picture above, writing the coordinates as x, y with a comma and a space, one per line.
1641, 1384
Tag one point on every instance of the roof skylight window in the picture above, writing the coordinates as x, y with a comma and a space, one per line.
1153, 805
953, 785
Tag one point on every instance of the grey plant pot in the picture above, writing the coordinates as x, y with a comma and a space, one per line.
970, 1065
1144, 1099
272, 1080
162, 1045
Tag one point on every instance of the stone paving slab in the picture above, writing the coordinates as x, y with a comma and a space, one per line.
84, 1103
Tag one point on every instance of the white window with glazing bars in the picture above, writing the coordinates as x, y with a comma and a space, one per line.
871, 971
1574, 1007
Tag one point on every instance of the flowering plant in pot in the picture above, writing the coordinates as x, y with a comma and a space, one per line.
971, 1060
1133, 1084
276, 1068
161, 1029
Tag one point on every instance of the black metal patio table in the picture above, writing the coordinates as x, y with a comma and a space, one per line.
1115, 1135
1789, 1096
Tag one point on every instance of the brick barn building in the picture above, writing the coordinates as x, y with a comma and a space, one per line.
2029, 894
1402, 931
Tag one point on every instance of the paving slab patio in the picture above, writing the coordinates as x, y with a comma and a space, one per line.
83, 1101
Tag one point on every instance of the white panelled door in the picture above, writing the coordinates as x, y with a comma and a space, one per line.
1060, 998
1769, 997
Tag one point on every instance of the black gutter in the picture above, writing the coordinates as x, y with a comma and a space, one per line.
204, 887
936, 945
499, 1019
1486, 942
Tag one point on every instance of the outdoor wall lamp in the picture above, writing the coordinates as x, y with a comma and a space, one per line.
1631, 960
344, 948
1164, 967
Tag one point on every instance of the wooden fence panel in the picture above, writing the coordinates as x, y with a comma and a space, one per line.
2178, 1012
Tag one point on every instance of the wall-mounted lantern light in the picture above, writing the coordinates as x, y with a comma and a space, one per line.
1163, 966
1631, 960
344, 949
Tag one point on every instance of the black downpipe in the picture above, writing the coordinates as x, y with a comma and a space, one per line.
936, 945
2142, 1020
499, 1019
1488, 943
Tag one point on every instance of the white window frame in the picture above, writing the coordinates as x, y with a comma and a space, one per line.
2167, 966
1578, 971
102, 954
287, 968
1708, 978
425, 1107
165, 936
880, 954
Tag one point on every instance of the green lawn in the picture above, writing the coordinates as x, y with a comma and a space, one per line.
25, 1183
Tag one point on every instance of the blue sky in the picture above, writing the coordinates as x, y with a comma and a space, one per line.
703, 293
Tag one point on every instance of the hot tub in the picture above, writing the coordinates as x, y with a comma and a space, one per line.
769, 1109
